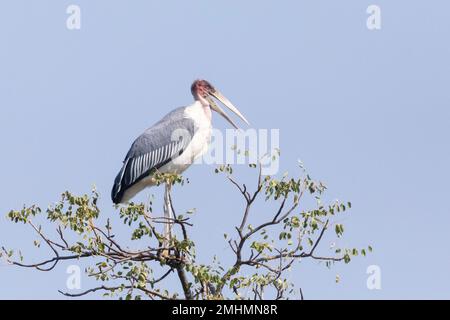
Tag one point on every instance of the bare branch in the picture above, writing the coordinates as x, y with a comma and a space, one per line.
150, 293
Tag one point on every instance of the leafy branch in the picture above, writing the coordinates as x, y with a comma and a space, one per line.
263, 253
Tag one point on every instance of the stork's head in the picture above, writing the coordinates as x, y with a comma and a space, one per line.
203, 91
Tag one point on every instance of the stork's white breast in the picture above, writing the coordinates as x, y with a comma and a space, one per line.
197, 148
199, 142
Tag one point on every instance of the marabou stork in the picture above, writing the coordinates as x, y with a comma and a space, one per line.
171, 145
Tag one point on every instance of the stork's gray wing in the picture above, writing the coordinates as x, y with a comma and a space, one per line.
156, 147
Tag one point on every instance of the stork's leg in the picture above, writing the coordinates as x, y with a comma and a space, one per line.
168, 214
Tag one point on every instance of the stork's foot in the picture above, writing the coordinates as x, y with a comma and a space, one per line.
166, 253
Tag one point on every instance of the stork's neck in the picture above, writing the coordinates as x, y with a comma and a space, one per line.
205, 106
201, 114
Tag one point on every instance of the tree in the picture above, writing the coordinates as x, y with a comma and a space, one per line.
263, 253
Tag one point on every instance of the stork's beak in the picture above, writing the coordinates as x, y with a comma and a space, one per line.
220, 97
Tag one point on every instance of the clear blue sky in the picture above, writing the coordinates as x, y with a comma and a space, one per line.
367, 112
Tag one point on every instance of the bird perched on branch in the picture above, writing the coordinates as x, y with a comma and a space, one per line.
171, 145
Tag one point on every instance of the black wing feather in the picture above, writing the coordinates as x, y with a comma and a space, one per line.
156, 147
